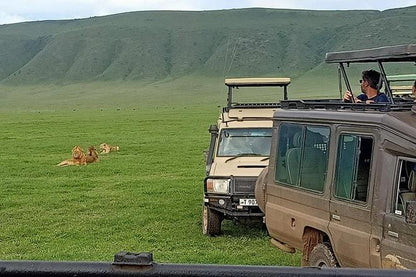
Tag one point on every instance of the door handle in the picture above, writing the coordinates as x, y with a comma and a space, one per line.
393, 234
336, 217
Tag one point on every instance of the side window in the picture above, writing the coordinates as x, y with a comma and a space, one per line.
406, 185
353, 167
302, 156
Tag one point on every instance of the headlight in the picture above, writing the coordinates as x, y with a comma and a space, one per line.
218, 185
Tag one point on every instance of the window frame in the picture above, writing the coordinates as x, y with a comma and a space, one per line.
277, 156
371, 165
396, 189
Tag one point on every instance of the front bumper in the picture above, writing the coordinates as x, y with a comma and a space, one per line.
240, 187
230, 207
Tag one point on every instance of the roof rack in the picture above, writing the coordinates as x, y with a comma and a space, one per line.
336, 104
255, 105
252, 106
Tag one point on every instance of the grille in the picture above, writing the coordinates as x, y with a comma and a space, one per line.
244, 185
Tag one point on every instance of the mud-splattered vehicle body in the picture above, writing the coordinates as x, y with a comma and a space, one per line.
340, 185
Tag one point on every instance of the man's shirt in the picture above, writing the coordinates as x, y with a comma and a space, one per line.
379, 98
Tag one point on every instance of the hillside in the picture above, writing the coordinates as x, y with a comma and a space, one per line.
151, 46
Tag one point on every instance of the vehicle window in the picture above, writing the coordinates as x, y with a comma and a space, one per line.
247, 141
406, 185
353, 167
302, 156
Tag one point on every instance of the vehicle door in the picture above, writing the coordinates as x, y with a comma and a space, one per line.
297, 199
398, 245
350, 211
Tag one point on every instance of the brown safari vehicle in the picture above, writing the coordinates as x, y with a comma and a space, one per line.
238, 152
341, 180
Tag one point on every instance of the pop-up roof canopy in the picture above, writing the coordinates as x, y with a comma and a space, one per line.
382, 54
257, 82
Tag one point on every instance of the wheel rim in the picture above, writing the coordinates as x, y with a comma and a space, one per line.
322, 264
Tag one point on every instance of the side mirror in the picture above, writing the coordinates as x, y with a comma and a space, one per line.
410, 213
213, 129
209, 155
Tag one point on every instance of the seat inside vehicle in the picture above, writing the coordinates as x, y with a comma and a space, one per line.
309, 165
410, 194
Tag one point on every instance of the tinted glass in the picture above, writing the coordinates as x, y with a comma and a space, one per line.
406, 186
353, 167
290, 143
315, 160
302, 155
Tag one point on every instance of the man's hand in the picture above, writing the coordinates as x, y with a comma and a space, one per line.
348, 97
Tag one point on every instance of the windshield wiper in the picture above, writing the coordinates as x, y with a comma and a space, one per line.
243, 155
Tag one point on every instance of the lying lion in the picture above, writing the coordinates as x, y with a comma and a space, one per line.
78, 158
106, 148
92, 155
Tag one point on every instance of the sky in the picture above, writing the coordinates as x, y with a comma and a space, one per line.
13, 11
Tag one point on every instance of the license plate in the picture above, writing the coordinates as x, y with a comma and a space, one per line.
248, 202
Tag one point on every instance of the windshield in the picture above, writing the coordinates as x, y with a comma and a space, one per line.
247, 142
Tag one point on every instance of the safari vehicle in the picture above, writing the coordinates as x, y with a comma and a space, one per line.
340, 185
401, 85
239, 150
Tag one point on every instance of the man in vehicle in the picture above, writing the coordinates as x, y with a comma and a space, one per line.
370, 90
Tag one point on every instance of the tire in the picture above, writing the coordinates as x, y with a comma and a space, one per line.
322, 256
211, 222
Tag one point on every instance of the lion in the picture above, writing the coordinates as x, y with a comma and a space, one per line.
106, 148
92, 155
78, 158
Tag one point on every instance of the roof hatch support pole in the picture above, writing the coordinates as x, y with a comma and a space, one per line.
347, 83
384, 78
339, 83
229, 97
285, 92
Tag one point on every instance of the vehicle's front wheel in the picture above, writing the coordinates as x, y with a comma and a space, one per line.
322, 256
211, 222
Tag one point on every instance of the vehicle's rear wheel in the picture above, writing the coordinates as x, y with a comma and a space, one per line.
211, 222
322, 256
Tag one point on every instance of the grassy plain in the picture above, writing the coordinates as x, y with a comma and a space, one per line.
146, 197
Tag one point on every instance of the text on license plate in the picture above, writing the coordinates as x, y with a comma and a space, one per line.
248, 202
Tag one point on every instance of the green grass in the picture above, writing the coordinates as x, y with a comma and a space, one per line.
146, 197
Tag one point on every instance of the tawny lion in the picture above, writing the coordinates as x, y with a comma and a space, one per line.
78, 158
92, 155
106, 148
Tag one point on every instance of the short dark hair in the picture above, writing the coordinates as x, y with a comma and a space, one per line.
414, 84
372, 77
